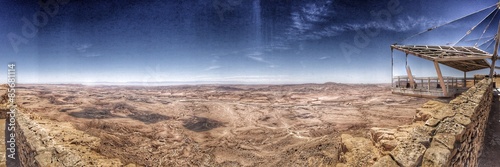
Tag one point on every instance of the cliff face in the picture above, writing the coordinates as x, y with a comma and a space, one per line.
62, 145
3, 102
442, 134
3, 116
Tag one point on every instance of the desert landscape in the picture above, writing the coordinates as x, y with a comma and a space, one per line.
207, 83
212, 125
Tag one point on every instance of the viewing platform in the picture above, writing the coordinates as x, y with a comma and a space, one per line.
431, 87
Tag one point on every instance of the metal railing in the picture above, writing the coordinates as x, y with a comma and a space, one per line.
429, 86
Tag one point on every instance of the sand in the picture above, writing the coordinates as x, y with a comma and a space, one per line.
218, 125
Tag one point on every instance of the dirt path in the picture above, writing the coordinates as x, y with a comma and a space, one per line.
491, 151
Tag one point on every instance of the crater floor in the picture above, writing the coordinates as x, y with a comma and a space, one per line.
221, 125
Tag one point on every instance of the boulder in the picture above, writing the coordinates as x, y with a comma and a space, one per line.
408, 154
436, 156
358, 151
386, 161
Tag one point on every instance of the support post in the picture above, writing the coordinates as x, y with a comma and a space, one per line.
465, 79
411, 80
495, 52
392, 67
406, 59
440, 77
422, 83
428, 84
399, 82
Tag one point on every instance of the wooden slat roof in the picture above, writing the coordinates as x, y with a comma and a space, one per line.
463, 58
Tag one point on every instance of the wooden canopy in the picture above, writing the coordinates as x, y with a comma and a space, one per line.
463, 58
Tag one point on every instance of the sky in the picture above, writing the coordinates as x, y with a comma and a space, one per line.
230, 41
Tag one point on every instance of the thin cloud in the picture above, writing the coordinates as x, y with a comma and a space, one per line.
215, 59
259, 59
257, 56
319, 20
399, 25
92, 55
246, 78
212, 68
255, 78
324, 57
83, 47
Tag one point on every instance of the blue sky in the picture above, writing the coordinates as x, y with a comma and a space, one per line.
227, 41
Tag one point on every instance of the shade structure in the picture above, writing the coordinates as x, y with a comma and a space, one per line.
463, 58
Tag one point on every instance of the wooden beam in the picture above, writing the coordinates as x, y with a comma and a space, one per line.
463, 69
410, 77
463, 58
440, 77
425, 50
474, 64
423, 56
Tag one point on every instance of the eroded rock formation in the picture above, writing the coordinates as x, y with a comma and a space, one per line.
442, 134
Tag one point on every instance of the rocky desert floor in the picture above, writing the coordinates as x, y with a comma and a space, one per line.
214, 125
